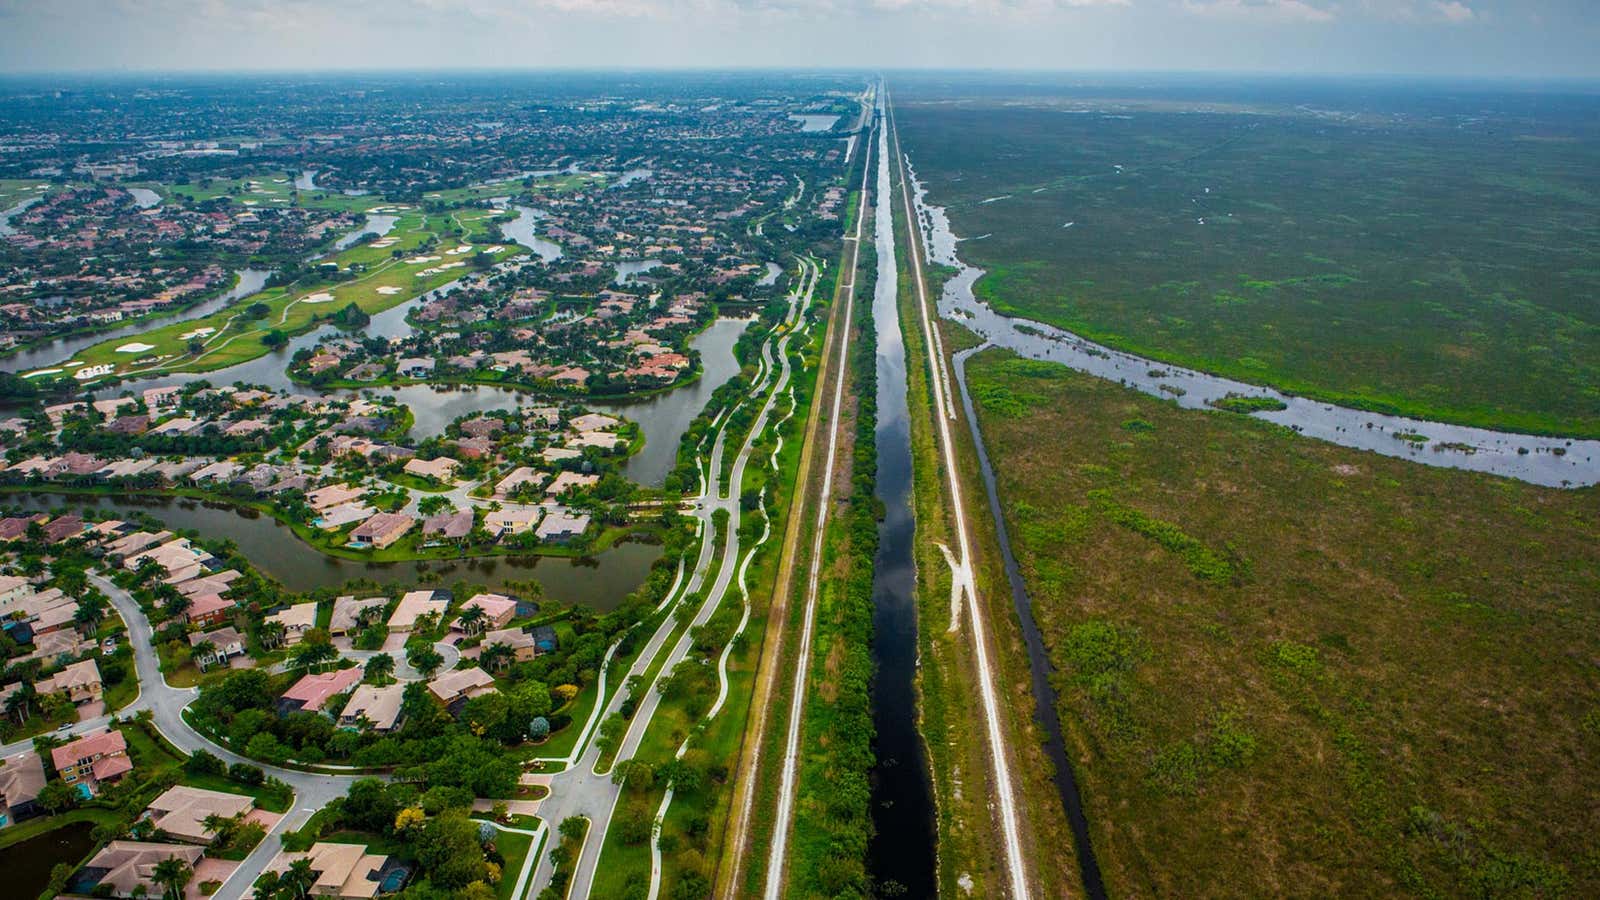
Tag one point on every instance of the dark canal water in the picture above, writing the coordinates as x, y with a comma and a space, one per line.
600, 582
27, 865
903, 844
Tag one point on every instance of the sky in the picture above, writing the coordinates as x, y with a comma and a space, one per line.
1480, 38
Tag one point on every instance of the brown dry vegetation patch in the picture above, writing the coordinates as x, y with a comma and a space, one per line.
1390, 689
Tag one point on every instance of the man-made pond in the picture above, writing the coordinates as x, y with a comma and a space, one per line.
27, 864
144, 197
378, 225
665, 417
600, 582
1553, 462
6, 228
814, 121
59, 350
522, 231
628, 268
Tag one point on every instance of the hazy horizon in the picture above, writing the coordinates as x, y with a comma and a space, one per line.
1475, 39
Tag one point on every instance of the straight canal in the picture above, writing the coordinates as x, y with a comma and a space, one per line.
903, 841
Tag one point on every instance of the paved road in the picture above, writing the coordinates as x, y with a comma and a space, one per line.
166, 704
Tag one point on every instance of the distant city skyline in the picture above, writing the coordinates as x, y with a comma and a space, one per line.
1473, 38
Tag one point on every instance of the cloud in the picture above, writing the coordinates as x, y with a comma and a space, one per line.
1454, 11
1261, 10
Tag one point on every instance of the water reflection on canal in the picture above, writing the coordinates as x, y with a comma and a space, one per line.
599, 582
903, 841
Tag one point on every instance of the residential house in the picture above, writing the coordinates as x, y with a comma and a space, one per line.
343, 871
127, 868
312, 692
296, 621
412, 606
503, 522
224, 643
378, 706
459, 685
325, 498
454, 526
79, 681
520, 476
520, 642
93, 760
570, 481
498, 610
348, 613
208, 609
181, 811
562, 524
382, 530
21, 779
441, 470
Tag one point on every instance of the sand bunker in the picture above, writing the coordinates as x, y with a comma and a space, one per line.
420, 260
37, 372
135, 347
197, 333
388, 291
464, 248
495, 249
319, 297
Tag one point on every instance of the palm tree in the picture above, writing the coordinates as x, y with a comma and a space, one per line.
202, 654
91, 612
380, 668
497, 656
472, 619
221, 827
300, 876
272, 634
172, 874
315, 655
267, 886
20, 702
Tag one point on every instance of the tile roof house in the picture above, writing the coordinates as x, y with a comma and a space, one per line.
498, 610
347, 613
79, 681
502, 522
208, 609
412, 606
325, 498
345, 871
562, 525
296, 621
182, 810
123, 868
382, 530
448, 526
311, 692
21, 779
225, 642
520, 642
378, 705
441, 469
461, 684
93, 759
